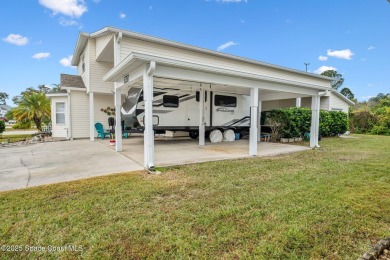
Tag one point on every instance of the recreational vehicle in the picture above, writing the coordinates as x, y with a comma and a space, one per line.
225, 114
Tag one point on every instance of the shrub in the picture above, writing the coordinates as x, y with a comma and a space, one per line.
362, 121
295, 122
2, 126
22, 125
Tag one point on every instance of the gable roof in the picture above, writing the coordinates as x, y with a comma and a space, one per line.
83, 39
72, 81
344, 98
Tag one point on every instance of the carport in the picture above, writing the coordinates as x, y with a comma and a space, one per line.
148, 71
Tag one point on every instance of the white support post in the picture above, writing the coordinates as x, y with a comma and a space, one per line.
315, 121
298, 102
258, 123
201, 117
254, 102
91, 118
118, 121
148, 119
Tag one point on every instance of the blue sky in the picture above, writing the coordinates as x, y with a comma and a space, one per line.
39, 36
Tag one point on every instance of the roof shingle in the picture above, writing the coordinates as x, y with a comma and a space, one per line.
72, 81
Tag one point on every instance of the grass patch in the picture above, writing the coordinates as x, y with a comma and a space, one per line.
15, 138
331, 203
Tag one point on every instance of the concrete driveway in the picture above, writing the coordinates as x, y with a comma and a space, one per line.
53, 162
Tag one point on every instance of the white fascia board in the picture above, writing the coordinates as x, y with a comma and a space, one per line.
124, 67
73, 88
201, 50
80, 46
57, 95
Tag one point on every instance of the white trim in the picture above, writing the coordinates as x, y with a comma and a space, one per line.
69, 118
315, 121
56, 95
73, 88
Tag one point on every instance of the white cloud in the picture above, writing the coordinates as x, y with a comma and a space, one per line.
72, 8
67, 61
371, 48
41, 55
65, 22
16, 39
122, 15
342, 54
323, 58
226, 45
324, 68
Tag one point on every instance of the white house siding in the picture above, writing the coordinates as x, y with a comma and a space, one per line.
97, 70
85, 75
61, 130
129, 45
103, 101
80, 114
337, 103
282, 103
324, 103
101, 43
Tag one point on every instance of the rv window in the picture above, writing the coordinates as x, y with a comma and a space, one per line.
170, 101
225, 101
197, 96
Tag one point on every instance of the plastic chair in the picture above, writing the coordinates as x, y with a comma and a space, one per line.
101, 133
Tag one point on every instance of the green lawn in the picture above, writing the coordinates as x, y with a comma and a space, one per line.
332, 203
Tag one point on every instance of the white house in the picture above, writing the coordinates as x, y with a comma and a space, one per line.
4, 109
111, 61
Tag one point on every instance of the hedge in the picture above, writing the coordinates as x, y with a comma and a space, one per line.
295, 122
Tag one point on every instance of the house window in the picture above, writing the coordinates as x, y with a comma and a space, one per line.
198, 96
60, 113
337, 109
170, 101
225, 101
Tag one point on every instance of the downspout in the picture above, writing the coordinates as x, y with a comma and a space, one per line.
152, 68
69, 118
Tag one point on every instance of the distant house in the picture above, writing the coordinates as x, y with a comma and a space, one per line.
4, 109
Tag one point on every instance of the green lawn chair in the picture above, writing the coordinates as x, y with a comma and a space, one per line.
101, 133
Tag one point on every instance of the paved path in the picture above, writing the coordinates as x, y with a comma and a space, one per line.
53, 162
16, 132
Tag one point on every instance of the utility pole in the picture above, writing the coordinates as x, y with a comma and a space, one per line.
306, 64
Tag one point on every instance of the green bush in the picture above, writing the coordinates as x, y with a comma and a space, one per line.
295, 122
22, 125
2, 126
362, 121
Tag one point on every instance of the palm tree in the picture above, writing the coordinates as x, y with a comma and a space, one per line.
33, 106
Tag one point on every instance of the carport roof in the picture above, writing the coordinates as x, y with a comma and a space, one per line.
135, 60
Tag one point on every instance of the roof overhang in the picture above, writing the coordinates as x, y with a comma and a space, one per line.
80, 45
136, 59
57, 95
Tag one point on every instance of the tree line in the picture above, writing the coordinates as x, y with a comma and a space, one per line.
32, 106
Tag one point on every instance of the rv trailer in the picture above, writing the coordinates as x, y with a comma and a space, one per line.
178, 110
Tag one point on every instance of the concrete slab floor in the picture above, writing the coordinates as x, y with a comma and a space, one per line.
178, 151
52, 162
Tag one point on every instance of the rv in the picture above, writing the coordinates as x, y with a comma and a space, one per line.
178, 110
